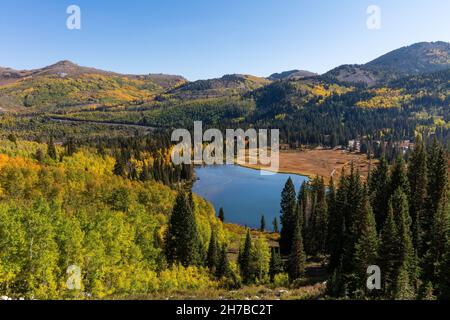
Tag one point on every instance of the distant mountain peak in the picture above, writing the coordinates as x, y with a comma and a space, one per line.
415, 59
291, 75
66, 63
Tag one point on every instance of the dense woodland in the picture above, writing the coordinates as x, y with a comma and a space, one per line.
398, 220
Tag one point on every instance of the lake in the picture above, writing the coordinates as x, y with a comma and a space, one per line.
243, 193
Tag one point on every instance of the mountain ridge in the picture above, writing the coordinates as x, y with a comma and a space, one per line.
415, 59
65, 83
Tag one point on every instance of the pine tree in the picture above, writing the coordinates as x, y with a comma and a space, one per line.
275, 225
408, 263
302, 207
438, 243
213, 254
182, 241
399, 178
120, 165
437, 190
221, 215
389, 255
288, 203
51, 149
366, 245
276, 264
404, 289
332, 216
337, 224
321, 220
379, 186
245, 259
353, 209
262, 227
444, 275
297, 258
223, 266
418, 181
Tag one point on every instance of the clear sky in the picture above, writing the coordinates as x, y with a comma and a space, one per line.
209, 38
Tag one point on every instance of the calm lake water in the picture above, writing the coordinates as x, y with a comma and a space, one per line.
243, 193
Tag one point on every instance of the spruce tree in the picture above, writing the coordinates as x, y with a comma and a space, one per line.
321, 220
418, 182
182, 240
437, 189
366, 248
332, 215
438, 243
221, 215
379, 190
245, 259
353, 209
399, 177
389, 255
223, 266
213, 254
337, 224
51, 149
276, 264
288, 204
302, 207
275, 225
262, 227
297, 258
444, 275
408, 263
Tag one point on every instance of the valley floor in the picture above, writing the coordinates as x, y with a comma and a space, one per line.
322, 162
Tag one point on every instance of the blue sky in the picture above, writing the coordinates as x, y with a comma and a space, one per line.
209, 38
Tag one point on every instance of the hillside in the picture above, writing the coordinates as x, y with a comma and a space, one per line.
292, 75
65, 84
228, 85
419, 58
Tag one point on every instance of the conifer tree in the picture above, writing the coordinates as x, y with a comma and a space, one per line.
444, 275
399, 178
321, 221
182, 241
367, 244
437, 189
71, 147
223, 266
389, 255
302, 206
213, 252
352, 212
51, 149
276, 264
245, 259
438, 243
221, 215
275, 225
332, 215
262, 227
337, 224
288, 203
379, 190
418, 182
297, 258
408, 263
